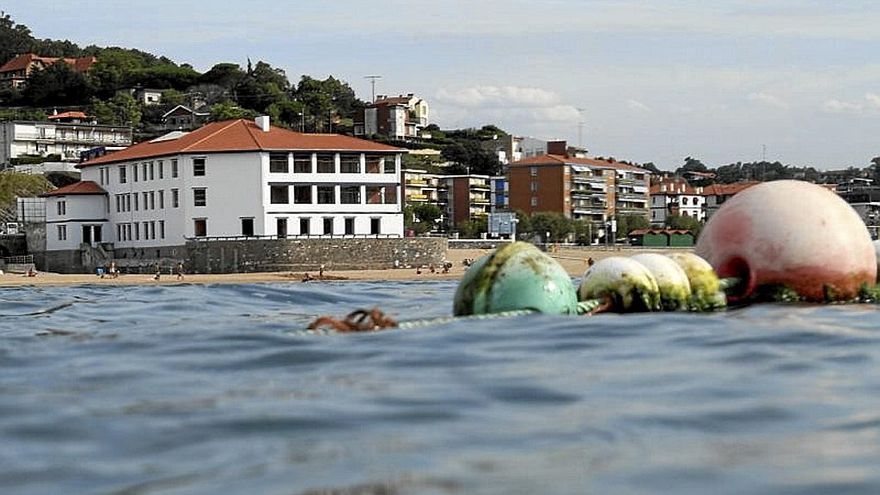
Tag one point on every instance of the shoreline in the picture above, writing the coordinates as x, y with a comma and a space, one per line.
573, 260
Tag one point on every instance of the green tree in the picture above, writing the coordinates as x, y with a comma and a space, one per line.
225, 75
228, 111
14, 38
684, 223
470, 156
122, 109
57, 84
628, 223
555, 223
14, 185
473, 229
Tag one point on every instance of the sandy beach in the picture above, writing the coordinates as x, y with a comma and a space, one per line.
574, 260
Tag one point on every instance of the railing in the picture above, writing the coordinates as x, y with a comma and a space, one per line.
19, 260
290, 237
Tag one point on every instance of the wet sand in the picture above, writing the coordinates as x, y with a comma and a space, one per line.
574, 260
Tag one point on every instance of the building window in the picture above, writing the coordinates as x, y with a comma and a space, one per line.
146, 197
161, 165
326, 163
123, 174
137, 231
390, 166
328, 225
175, 198
374, 164
279, 195
62, 232
533, 171
375, 226
534, 201
390, 195
247, 227
146, 231
152, 177
152, 200
200, 227
304, 226
144, 166
349, 225
136, 205
198, 167
161, 229
127, 199
174, 171
350, 195
374, 195
302, 195
161, 198
534, 186
278, 163
134, 172
302, 163
349, 164
326, 195
62, 208
684, 201
200, 197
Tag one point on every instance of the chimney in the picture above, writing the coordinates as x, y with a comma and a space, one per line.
262, 122
557, 148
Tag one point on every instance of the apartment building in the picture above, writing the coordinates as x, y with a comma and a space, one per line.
465, 197
580, 188
66, 135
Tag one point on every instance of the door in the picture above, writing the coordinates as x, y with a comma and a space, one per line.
281, 228
96, 233
87, 234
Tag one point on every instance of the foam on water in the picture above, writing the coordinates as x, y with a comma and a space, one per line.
216, 389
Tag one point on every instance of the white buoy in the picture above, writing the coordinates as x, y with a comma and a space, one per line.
628, 284
672, 281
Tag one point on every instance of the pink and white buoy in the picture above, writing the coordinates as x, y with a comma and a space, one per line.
790, 233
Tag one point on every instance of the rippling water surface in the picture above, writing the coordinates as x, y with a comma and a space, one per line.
216, 389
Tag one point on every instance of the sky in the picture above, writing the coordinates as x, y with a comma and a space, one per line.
645, 81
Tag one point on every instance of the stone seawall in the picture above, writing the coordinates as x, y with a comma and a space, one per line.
310, 254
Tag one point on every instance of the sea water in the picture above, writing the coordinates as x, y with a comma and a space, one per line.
217, 389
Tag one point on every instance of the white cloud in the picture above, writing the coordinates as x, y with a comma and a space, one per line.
873, 99
494, 96
767, 99
637, 106
834, 105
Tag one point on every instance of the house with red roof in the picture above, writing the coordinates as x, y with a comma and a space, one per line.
672, 196
398, 117
717, 194
233, 179
590, 189
16, 72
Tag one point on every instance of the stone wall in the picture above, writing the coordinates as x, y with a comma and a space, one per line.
13, 245
310, 254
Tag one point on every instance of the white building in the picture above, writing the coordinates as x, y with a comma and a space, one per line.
398, 117
230, 179
66, 139
670, 197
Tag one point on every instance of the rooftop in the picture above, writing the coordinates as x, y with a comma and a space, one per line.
238, 136
77, 188
570, 160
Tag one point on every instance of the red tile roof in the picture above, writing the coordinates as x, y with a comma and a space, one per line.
560, 159
82, 188
675, 187
68, 115
22, 62
236, 136
727, 189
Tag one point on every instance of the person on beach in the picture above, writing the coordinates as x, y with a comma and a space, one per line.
158, 272
180, 271
112, 270
321, 271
